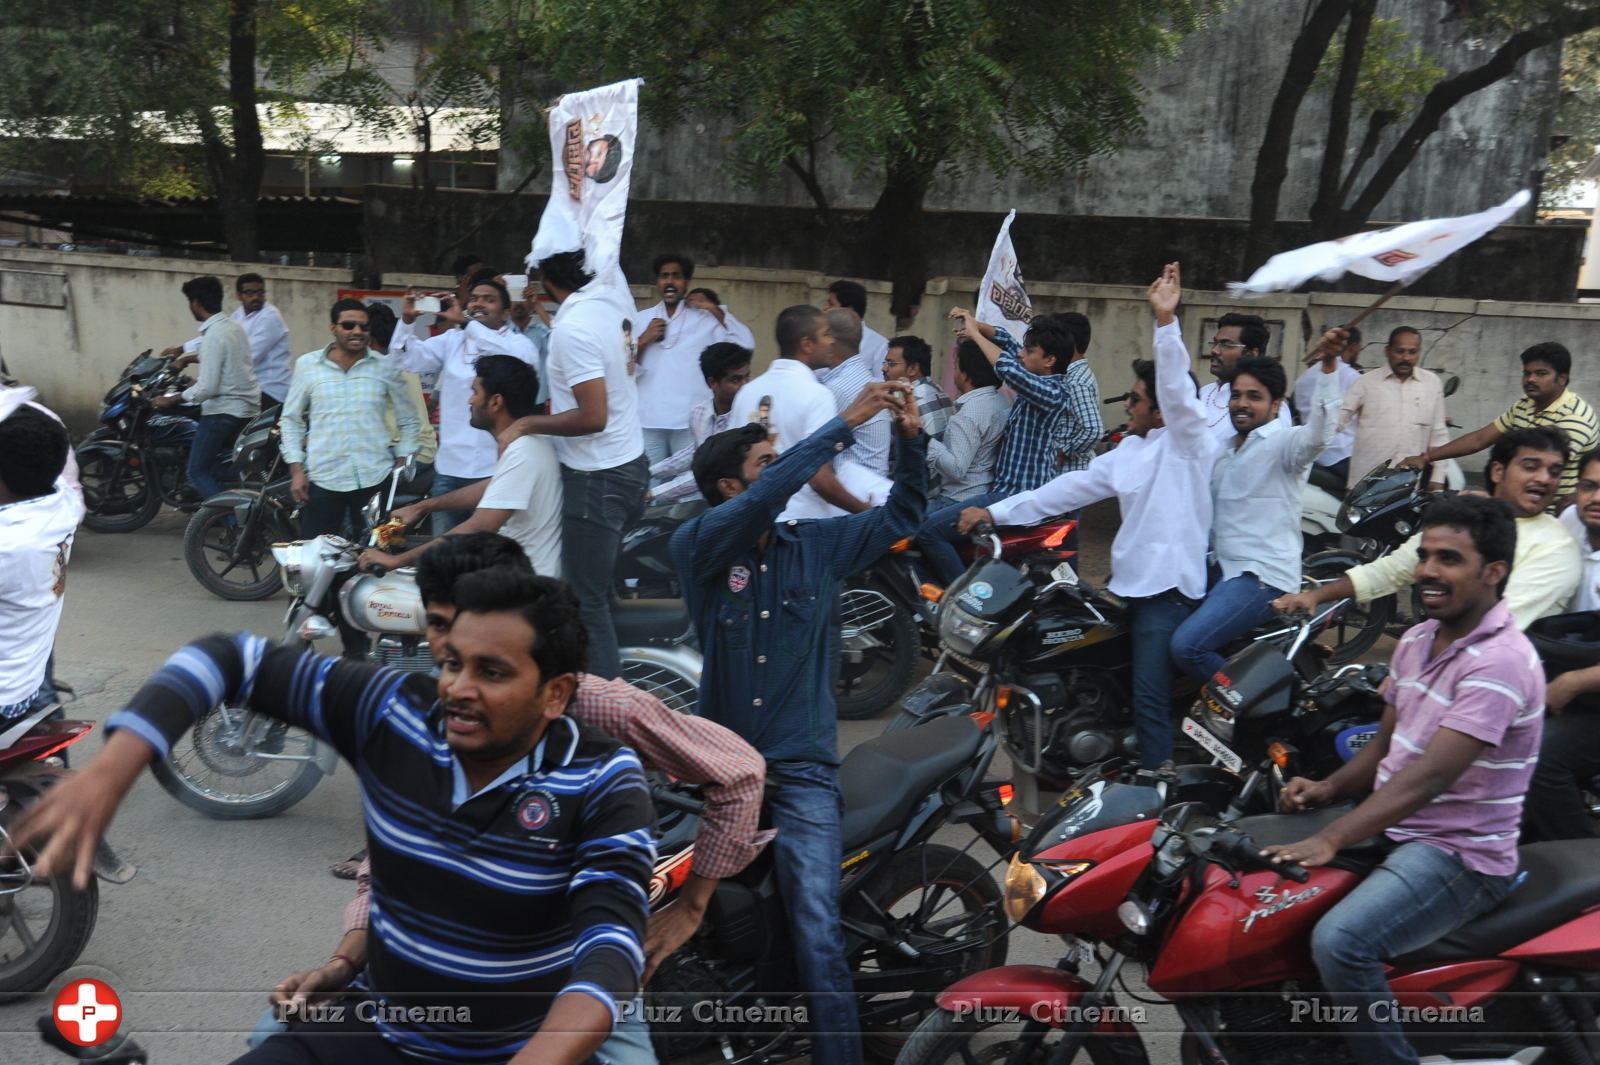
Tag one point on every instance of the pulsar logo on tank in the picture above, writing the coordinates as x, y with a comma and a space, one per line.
1276, 903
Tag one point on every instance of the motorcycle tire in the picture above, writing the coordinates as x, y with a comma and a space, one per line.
98, 468
946, 1039
1361, 625
181, 773
915, 889
208, 550
870, 686
56, 946
656, 676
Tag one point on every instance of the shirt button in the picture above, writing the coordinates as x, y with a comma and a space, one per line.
765, 614
838, 447
794, 521
763, 567
761, 660
756, 703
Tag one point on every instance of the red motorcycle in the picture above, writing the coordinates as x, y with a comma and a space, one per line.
1226, 940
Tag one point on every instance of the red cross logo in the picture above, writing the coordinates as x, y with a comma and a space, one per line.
87, 1012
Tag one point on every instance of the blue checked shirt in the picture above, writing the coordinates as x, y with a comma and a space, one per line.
1028, 455
333, 421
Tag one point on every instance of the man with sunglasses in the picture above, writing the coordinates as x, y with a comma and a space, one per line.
1237, 336
335, 436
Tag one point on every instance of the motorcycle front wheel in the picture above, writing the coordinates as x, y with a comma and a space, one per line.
117, 497
946, 1039
219, 769
224, 563
43, 929
1359, 625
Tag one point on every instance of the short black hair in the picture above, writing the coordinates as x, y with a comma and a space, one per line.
717, 360
1400, 331
206, 291
708, 294
248, 279
560, 642
1557, 355
1054, 337
916, 352
794, 325
511, 379
851, 294
465, 262
452, 557
1268, 371
1145, 370
1080, 328
1253, 332
340, 306
975, 365
673, 257
489, 279
722, 455
1488, 521
33, 452
1588, 457
383, 320
565, 270
1534, 438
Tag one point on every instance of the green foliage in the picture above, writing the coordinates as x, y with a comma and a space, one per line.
1395, 72
1578, 117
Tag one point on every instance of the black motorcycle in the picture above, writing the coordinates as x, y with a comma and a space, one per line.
136, 460
228, 541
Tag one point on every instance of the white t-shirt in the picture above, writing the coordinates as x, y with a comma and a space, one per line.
527, 482
669, 379
586, 342
800, 406
35, 544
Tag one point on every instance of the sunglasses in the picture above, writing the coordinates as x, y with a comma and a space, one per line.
365, 327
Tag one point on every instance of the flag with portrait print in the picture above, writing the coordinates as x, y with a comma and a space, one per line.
1002, 297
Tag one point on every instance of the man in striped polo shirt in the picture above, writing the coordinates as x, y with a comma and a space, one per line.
510, 845
1446, 774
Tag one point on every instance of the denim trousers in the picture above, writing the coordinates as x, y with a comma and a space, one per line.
213, 436
937, 538
327, 511
1417, 895
444, 483
597, 507
664, 443
1230, 609
1569, 757
1153, 619
805, 806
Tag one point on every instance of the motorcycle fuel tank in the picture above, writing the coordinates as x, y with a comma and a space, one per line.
390, 603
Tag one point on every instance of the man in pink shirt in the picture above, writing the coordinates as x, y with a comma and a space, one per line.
1446, 774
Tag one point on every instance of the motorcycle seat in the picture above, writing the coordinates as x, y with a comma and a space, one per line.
642, 622
883, 779
1563, 881
1274, 829
1324, 478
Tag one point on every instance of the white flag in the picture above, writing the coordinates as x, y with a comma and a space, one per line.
592, 139
1399, 253
1002, 299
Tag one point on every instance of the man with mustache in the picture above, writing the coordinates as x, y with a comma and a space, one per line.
1524, 470
1546, 401
1238, 336
1396, 410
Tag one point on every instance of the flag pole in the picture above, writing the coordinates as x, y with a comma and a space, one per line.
1394, 290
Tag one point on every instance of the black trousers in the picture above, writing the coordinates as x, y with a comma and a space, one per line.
335, 512
326, 1041
1569, 757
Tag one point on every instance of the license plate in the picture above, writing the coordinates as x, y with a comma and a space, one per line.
1065, 572
1215, 747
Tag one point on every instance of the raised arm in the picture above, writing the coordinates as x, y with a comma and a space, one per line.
1181, 410
1322, 420
861, 538
1062, 494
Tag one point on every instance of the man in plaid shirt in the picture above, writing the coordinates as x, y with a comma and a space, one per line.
1051, 384
686, 748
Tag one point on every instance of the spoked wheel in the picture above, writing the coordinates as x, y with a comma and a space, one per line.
943, 911
946, 1039
118, 497
679, 690
878, 650
225, 768
229, 558
1359, 625
44, 926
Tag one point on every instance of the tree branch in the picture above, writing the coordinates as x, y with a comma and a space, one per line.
1325, 208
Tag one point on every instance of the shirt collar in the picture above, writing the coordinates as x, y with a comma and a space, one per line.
327, 354
1496, 621
213, 320
976, 393
555, 748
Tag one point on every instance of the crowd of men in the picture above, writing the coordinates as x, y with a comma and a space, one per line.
518, 772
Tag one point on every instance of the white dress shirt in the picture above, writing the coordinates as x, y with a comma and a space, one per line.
1162, 482
1344, 441
800, 406
269, 348
669, 379
874, 345
846, 381
1214, 397
1256, 489
1587, 597
35, 544
587, 344
463, 450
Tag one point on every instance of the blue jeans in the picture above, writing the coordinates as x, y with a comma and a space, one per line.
664, 443
213, 436
805, 806
1153, 619
937, 538
444, 483
1417, 895
597, 507
1229, 610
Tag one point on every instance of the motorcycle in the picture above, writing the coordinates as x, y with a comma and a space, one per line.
136, 461
228, 542
44, 923
916, 914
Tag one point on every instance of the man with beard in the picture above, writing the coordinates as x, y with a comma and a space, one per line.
1444, 778
1546, 402
676, 331
466, 455
1524, 469
1395, 410
1256, 487
523, 498
1238, 336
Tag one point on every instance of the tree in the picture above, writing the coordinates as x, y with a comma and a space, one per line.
1377, 67
118, 80
901, 89
1577, 122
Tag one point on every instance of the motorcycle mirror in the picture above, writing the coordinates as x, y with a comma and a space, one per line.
1451, 383
408, 472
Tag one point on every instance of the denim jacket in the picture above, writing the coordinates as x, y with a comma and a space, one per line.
767, 620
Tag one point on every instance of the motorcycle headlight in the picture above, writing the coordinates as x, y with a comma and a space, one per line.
962, 632
1027, 884
296, 561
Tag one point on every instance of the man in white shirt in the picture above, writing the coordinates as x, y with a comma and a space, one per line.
670, 337
739, 332
483, 327
1337, 455
1256, 488
852, 295
726, 369
269, 338
1238, 336
39, 513
1582, 521
1160, 475
794, 405
523, 498
594, 417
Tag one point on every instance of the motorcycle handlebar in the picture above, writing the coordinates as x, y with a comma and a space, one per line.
662, 795
1238, 850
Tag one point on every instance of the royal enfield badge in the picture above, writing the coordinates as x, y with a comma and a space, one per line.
535, 810
738, 579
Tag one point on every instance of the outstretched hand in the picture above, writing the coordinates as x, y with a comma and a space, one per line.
1164, 294
1330, 347
877, 396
